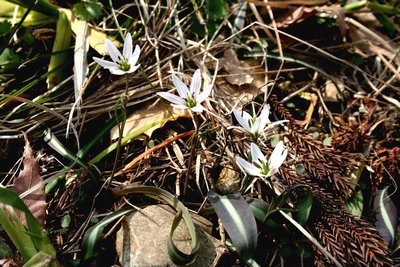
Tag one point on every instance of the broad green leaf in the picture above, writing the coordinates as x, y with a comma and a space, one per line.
355, 204
259, 208
87, 10
5, 27
238, 220
5, 250
217, 9
386, 215
65, 221
327, 141
304, 208
9, 60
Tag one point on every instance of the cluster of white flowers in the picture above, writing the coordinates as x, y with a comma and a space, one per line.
191, 98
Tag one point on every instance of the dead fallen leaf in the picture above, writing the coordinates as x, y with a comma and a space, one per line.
29, 177
232, 95
331, 92
313, 98
297, 16
147, 115
236, 74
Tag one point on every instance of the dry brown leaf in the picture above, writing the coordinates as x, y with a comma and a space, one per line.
149, 114
29, 177
331, 92
236, 74
313, 102
297, 16
232, 95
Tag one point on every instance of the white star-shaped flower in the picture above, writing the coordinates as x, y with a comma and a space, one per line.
256, 125
121, 63
259, 166
188, 98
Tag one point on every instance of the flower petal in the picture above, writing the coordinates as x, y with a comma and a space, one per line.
248, 167
183, 91
113, 51
195, 85
172, 98
241, 120
105, 63
256, 153
135, 56
203, 95
180, 106
133, 68
198, 108
117, 72
273, 124
263, 119
127, 50
278, 156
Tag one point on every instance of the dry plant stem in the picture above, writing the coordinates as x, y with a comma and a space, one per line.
133, 163
192, 153
121, 126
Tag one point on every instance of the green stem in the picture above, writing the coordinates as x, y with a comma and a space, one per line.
121, 126
192, 153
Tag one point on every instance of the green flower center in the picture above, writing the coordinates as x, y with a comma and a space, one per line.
124, 65
264, 168
191, 102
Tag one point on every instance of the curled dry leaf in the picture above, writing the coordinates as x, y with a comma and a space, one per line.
28, 178
236, 74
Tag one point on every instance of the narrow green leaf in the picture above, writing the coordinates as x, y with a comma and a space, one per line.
42, 6
17, 232
39, 238
238, 220
177, 256
41, 260
386, 215
55, 144
59, 57
94, 233
124, 141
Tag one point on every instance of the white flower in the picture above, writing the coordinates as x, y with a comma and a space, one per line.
256, 125
121, 63
259, 165
188, 98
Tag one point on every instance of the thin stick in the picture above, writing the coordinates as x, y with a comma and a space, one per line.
133, 163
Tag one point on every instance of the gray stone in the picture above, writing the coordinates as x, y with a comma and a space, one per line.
142, 239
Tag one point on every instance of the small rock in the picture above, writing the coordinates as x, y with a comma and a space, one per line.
142, 239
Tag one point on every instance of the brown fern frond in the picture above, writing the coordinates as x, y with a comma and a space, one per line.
328, 168
386, 164
350, 240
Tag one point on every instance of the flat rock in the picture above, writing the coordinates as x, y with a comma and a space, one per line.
142, 239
